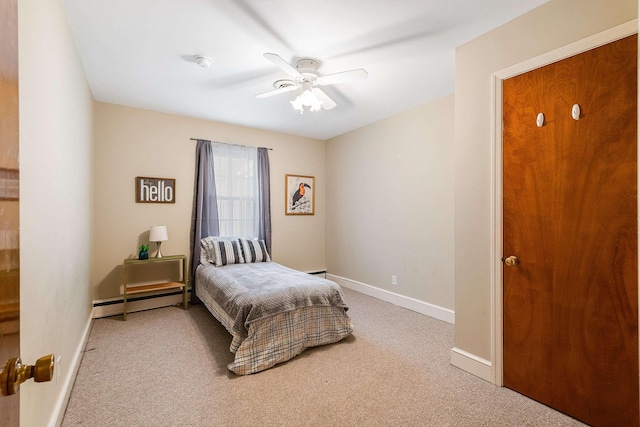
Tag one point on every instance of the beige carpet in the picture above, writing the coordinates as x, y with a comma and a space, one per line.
167, 367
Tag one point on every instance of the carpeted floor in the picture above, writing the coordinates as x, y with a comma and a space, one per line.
167, 367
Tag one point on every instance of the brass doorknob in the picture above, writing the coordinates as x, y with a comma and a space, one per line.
511, 261
15, 373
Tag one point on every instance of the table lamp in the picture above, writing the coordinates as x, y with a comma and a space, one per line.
158, 234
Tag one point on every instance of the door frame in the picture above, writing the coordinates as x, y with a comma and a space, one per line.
592, 42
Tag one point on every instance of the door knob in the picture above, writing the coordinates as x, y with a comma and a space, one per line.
15, 373
511, 261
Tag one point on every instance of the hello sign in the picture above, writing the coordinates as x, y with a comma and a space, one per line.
155, 190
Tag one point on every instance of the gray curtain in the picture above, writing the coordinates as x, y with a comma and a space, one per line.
204, 217
264, 227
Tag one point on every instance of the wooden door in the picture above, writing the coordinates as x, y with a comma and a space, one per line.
9, 214
570, 217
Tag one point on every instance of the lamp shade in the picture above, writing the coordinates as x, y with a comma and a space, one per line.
158, 233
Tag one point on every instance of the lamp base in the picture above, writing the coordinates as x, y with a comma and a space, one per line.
159, 252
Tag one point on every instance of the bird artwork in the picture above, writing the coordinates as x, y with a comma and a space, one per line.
301, 200
299, 194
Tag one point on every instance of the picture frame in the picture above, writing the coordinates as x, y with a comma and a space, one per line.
155, 190
300, 195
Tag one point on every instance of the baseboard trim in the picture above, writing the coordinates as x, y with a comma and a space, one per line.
115, 306
69, 381
471, 363
413, 304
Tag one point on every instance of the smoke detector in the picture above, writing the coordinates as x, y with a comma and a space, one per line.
203, 61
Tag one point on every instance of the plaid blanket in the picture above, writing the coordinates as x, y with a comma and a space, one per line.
272, 312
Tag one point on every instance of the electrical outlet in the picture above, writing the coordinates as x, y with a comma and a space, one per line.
394, 280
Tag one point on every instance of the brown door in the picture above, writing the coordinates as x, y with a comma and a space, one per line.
570, 217
9, 215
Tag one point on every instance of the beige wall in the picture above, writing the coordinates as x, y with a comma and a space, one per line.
388, 185
552, 25
56, 119
390, 204
131, 142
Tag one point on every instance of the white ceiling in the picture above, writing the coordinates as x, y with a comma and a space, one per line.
140, 53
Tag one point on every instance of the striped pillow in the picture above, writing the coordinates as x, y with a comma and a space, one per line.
220, 251
255, 250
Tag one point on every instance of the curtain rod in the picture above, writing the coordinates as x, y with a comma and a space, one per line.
227, 143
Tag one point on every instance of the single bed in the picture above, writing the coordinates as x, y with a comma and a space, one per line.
272, 312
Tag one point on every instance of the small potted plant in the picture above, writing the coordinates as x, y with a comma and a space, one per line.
143, 252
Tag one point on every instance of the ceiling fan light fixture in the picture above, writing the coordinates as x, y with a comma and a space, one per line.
304, 76
306, 99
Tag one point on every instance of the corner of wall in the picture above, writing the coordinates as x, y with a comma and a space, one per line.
471, 363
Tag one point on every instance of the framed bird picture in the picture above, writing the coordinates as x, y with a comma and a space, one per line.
300, 195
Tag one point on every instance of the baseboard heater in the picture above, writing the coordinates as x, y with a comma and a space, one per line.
141, 298
318, 273
115, 307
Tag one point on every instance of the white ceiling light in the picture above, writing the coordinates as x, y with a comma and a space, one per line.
306, 99
203, 61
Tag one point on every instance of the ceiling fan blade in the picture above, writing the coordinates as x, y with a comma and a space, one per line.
344, 76
327, 103
278, 91
282, 64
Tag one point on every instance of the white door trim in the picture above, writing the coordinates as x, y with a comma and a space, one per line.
584, 45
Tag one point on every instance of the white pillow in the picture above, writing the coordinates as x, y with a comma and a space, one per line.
207, 253
255, 250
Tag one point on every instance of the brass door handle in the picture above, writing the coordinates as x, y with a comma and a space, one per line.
15, 373
511, 261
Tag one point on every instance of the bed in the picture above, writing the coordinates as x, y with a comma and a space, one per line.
272, 312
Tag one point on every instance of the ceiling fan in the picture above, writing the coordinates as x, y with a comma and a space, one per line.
305, 76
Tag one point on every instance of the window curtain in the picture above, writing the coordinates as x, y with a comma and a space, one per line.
232, 183
264, 226
204, 218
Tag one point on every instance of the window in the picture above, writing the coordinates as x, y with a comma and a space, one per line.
236, 177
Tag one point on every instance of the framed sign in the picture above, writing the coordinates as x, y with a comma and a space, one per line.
155, 190
300, 195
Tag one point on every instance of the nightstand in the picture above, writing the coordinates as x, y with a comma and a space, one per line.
132, 290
